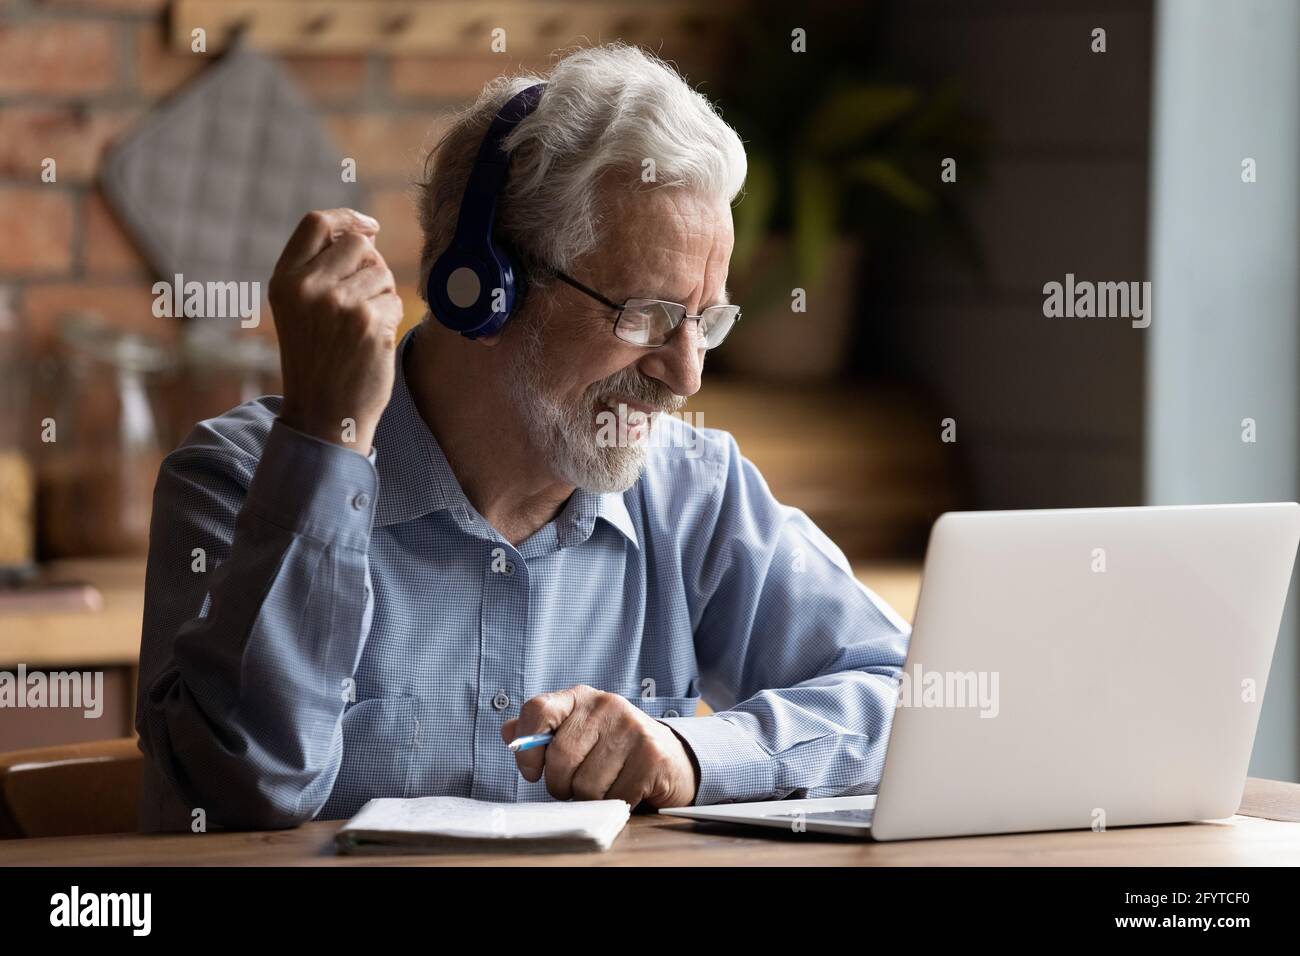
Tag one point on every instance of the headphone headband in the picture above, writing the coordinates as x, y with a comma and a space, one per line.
488, 177
475, 285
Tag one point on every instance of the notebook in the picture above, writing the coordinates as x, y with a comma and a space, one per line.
460, 825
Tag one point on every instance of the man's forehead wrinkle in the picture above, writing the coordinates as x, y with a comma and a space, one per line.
658, 267
666, 246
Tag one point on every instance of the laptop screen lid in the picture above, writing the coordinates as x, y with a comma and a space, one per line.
1086, 668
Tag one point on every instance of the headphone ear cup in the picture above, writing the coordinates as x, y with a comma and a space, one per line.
502, 289
461, 292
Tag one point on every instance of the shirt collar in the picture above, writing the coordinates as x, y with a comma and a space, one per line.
415, 478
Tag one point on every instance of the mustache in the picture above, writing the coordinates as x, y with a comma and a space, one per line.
630, 384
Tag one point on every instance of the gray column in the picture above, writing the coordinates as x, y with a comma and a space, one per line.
1224, 258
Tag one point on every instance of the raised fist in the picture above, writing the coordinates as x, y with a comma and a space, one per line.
336, 313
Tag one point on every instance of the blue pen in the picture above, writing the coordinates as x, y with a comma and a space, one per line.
529, 742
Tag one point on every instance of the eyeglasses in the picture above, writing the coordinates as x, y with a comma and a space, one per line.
650, 323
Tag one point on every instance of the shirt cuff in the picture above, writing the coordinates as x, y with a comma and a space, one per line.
315, 488
733, 767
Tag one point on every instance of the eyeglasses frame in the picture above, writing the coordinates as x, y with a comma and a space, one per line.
620, 309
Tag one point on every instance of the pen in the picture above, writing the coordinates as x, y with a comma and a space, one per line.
529, 742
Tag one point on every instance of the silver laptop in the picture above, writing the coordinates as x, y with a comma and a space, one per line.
1084, 668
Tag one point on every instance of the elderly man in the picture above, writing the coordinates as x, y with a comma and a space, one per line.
426, 549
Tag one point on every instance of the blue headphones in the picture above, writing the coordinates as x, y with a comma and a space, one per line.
476, 284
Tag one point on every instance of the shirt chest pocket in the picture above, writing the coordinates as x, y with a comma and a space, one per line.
665, 706
380, 738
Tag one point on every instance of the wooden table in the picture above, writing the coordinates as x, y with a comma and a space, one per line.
655, 840
107, 640
109, 637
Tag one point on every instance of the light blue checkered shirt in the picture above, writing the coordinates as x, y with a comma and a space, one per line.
322, 628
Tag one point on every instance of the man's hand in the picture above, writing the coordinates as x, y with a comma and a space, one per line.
604, 749
336, 314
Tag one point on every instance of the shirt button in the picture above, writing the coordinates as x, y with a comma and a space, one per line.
671, 713
509, 568
360, 500
501, 700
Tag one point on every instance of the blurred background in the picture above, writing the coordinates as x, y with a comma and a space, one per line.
894, 360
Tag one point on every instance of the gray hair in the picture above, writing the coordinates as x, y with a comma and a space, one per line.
605, 110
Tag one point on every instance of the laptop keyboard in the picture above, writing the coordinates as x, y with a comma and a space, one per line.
839, 816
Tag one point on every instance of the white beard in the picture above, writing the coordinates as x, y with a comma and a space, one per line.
566, 430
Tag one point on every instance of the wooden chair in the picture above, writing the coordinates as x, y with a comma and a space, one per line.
71, 789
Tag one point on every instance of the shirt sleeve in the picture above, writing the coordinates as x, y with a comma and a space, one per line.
257, 605
800, 661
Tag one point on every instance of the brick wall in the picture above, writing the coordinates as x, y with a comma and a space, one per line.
76, 74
